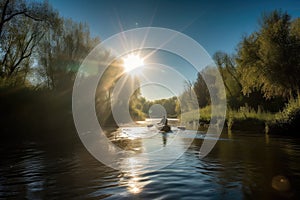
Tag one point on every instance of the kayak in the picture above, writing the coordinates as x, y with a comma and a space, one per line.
165, 128
161, 128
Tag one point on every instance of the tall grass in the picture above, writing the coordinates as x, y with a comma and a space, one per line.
290, 111
246, 112
245, 118
203, 114
242, 113
287, 121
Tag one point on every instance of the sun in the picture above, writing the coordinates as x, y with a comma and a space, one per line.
132, 61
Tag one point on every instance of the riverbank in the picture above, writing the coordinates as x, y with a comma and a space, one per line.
47, 114
39, 114
288, 120
285, 122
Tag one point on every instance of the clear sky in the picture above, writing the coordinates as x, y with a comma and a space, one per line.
215, 24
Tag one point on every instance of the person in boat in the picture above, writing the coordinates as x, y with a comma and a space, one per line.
164, 122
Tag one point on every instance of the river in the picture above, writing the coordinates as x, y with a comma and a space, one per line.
240, 166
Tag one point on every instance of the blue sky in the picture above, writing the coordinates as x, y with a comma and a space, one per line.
215, 24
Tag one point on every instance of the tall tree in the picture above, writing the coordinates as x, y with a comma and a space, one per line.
201, 91
22, 26
62, 50
231, 78
269, 60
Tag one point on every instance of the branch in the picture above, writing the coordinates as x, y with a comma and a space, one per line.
32, 17
23, 12
12, 69
3, 15
13, 15
23, 54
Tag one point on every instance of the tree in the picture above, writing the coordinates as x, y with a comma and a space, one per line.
268, 59
228, 69
201, 91
62, 50
22, 26
187, 100
106, 87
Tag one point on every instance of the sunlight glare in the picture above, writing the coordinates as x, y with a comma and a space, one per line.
134, 188
132, 61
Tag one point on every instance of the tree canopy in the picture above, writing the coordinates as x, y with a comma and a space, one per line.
269, 59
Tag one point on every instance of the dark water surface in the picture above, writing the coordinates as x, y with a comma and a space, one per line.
241, 166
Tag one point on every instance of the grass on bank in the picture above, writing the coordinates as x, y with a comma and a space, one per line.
247, 118
244, 113
287, 120
42, 111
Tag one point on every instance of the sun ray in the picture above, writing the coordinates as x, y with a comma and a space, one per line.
132, 61
123, 39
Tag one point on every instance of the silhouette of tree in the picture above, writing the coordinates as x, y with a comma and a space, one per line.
22, 26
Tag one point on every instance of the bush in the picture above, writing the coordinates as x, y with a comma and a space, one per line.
288, 120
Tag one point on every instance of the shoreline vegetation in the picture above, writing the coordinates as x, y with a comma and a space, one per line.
284, 122
41, 53
50, 113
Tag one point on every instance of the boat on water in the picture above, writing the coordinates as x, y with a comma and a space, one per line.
165, 129
160, 127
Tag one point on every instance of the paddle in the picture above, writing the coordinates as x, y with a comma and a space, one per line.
156, 125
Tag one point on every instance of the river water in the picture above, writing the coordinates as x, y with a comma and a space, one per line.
240, 166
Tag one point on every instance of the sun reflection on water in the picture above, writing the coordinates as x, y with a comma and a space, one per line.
131, 178
134, 186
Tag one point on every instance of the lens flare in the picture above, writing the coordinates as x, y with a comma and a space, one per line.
132, 61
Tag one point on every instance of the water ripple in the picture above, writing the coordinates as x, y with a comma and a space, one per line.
237, 168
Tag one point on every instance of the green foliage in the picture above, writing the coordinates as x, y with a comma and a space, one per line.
245, 117
231, 78
204, 114
288, 120
246, 112
105, 89
61, 52
136, 113
201, 91
41, 50
170, 104
22, 26
187, 101
268, 59
136, 105
34, 39
290, 111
